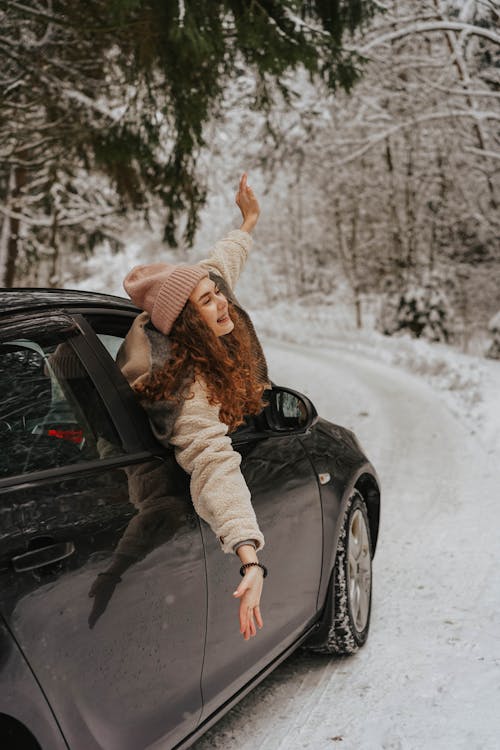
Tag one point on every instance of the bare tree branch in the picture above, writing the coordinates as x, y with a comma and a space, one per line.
482, 152
425, 28
408, 124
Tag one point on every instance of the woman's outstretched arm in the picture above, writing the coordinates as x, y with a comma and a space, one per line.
228, 256
219, 492
248, 205
249, 592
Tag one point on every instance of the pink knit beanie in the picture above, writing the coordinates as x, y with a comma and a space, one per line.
162, 290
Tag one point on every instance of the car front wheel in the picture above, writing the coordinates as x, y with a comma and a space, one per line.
352, 582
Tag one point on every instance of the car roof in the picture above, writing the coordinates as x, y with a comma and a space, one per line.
18, 299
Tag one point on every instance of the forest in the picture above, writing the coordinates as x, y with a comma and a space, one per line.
370, 129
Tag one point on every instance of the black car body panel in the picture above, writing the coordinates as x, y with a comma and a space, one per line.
22, 702
287, 503
334, 451
28, 300
154, 658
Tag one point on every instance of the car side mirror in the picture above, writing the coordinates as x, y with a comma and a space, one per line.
288, 411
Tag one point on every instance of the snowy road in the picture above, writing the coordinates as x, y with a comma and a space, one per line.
429, 675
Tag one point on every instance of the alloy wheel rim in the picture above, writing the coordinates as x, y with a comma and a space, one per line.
359, 570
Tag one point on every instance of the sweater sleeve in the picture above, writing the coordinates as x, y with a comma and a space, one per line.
218, 489
229, 255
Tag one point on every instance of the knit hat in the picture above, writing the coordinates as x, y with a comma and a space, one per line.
162, 290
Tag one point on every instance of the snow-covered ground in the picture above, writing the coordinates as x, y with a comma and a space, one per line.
429, 676
469, 385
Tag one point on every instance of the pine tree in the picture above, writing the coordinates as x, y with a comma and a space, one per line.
124, 87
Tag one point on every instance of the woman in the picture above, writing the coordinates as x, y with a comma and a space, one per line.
194, 360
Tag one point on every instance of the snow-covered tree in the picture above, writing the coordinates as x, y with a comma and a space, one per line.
422, 310
400, 177
124, 90
493, 351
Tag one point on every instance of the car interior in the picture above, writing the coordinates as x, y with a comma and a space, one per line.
50, 414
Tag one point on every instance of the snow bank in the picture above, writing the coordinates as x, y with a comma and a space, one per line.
469, 385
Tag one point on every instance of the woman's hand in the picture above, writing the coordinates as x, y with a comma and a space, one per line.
248, 205
249, 592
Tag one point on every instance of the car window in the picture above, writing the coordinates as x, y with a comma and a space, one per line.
111, 342
50, 414
110, 329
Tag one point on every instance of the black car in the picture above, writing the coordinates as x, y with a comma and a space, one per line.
152, 657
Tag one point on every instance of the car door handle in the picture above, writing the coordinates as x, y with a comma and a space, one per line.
44, 556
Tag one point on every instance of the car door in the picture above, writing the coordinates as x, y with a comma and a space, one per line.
286, 499
285, 496
102, 567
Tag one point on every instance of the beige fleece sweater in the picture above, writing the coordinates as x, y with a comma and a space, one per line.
202, 446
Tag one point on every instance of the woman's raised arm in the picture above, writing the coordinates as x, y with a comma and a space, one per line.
248, 205
228, 256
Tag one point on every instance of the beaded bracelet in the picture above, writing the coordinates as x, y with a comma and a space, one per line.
248, 565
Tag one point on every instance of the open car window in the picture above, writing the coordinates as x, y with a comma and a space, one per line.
111, 343
110, 329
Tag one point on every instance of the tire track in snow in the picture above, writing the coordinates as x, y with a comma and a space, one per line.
302, 708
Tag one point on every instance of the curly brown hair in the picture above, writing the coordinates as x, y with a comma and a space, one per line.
226, 364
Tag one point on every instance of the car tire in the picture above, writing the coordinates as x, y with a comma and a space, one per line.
352, 583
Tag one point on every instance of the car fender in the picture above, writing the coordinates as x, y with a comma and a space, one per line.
341, 467
22, 701
366, 482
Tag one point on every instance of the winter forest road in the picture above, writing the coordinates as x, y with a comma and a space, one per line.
429, 676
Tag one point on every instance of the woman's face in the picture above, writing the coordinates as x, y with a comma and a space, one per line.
212, 306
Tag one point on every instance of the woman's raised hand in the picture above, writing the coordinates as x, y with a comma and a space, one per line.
248, 204
249, 592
